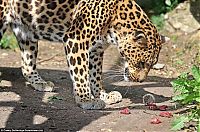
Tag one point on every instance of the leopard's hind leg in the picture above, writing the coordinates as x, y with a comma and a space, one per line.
29, 48
3, 23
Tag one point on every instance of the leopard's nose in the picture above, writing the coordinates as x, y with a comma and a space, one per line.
142, 76
141, 81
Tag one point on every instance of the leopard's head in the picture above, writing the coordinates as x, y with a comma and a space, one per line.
140, 54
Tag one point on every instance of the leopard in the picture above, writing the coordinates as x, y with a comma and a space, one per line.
85, 28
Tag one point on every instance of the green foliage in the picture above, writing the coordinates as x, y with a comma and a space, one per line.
171, 4
54, 98
188, 93
8, 41
174, 38
158, 21
179, 122
160, 7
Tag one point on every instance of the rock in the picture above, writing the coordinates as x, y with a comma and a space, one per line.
4, 54
158, 66
5, 83
184, 17
39, 119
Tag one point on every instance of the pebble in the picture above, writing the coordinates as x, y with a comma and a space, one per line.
158, 66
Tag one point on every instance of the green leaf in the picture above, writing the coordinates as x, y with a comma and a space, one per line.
178, 123
190, 98
158, 20
168, 2
180, 97
197, 88
198, 99
196, 73
178, 85
8, 41
184, 75
198, 129
180, 81
53, 98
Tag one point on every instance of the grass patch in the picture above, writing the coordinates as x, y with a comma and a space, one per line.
8, 41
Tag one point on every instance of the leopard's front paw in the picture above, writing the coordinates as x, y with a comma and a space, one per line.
111, 98
44, 86
93, 104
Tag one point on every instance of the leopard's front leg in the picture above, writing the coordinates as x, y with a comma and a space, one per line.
95, 67
78, 61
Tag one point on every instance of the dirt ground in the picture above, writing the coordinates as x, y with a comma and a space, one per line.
23, 108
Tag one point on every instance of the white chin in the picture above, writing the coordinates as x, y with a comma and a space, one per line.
126, 78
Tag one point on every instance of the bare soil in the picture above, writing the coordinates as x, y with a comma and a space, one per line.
23, 108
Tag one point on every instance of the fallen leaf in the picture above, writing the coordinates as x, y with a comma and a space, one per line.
125, 111
53, 98
166, 114
163, 107
155, 121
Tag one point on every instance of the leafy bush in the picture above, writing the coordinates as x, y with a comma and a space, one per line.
157, 8
164, 6
160, 8
188, 93
8, 41
158, 21
171, 4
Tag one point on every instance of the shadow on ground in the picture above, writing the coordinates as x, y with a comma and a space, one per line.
62, 115
134, 91
195, 9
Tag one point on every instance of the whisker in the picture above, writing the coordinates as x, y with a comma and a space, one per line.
114, 70
112, 76
126, 91
118, 81
119, 66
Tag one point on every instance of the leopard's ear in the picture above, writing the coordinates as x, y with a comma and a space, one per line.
140, 38
164, 39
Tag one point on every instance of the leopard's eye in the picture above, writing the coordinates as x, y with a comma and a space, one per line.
141, 64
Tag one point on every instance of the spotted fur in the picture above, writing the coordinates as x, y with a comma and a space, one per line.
86, 28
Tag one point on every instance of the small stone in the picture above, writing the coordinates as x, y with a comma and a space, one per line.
4, 54
5, 83
158, 66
